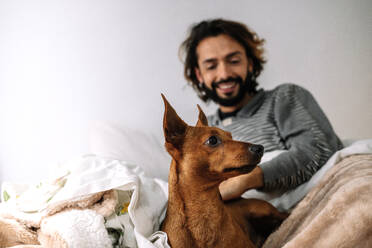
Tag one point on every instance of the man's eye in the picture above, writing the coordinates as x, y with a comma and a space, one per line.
213, 141
211, 67
235, 61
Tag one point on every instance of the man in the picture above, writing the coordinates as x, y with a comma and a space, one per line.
222, 62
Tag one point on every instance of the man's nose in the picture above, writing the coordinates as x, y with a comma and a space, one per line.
224, 71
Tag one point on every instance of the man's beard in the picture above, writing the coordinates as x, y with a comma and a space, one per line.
231, 101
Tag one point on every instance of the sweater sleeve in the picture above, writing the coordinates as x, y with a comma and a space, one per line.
307, 134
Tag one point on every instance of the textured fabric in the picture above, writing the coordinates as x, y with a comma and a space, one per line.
286, 118
74, 228
91, 175
336, 213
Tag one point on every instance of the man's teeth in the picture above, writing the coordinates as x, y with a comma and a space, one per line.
226, 86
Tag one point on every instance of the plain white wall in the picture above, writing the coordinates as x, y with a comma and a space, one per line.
66, 65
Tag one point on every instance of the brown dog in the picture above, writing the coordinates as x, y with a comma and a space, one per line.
202, 157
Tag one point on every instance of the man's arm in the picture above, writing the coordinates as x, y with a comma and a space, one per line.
308, 137
234, 187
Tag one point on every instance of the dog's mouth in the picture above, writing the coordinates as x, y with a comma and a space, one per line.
241, 169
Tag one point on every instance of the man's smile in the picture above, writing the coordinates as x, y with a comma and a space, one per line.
226, 87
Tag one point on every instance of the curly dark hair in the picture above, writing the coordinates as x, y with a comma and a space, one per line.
211, 28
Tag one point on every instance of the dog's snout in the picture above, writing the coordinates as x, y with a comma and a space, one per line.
257, 149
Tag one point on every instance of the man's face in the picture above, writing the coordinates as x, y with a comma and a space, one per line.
222, 61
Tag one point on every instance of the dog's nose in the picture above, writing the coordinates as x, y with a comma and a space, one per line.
258, 149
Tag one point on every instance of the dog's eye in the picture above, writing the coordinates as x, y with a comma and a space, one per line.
213, 141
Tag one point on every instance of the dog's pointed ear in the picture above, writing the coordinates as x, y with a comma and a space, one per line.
173, 126
202, 120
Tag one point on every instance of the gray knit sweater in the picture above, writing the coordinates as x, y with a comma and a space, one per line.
286, 118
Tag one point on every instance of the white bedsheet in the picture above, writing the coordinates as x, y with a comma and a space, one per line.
93, 174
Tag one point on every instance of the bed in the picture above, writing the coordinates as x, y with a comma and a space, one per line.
117, 198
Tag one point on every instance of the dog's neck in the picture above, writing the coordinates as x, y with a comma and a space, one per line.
187, 201
193, 187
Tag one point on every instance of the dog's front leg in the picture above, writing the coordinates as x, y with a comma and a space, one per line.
255, 208
263, 216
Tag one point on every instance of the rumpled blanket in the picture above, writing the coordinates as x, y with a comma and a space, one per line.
101, 203
336, 213
65, 224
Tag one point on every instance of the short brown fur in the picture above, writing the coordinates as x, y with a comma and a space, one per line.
196, 215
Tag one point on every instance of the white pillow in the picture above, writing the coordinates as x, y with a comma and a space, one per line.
140, 147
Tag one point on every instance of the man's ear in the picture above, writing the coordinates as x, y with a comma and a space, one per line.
174, 128
250, 65
198, 75
202, 120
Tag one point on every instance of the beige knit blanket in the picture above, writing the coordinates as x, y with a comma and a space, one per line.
19, 230
336, 213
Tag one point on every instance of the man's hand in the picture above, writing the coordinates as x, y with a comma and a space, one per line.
234, 187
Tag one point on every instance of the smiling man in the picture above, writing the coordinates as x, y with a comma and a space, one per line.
222, 67
222, 62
